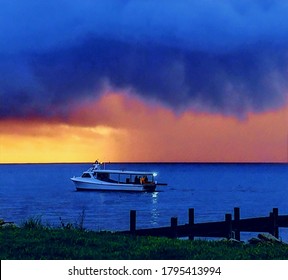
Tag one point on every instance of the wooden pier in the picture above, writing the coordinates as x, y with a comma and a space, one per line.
228, 228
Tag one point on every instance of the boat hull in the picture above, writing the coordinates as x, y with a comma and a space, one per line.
95, 185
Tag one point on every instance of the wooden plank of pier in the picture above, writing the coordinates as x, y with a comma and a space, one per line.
228, 228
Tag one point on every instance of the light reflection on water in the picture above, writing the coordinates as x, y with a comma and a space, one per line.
154, 209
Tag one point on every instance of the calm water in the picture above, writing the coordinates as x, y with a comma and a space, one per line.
45, 191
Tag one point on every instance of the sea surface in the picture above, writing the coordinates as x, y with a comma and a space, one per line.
45, 191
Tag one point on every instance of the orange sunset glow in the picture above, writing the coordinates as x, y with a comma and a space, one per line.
122, 127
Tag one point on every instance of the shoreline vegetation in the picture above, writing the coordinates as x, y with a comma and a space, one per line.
34, 241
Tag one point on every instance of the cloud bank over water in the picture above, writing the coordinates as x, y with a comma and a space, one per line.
213, 56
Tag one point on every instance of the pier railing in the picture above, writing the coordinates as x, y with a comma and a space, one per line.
228, 228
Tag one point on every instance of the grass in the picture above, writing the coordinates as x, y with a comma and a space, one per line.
34, 241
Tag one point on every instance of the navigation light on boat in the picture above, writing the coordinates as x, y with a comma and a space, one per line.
154, 174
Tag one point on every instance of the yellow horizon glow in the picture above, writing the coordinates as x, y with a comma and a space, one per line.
68, 144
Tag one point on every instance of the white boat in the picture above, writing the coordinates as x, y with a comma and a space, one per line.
98, 178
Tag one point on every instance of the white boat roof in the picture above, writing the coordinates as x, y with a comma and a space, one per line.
114, 171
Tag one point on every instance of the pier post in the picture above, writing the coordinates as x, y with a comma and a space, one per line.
274, 223
133, 221
191, 221
236, 223
174, 223
228, 221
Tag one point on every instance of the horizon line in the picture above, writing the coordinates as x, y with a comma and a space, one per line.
152, 162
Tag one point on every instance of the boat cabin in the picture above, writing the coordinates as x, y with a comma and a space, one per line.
121, 177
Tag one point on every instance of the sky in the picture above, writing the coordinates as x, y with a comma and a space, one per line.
144, 81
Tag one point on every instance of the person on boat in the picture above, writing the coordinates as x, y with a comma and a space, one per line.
96, 164
136, 180
143, 180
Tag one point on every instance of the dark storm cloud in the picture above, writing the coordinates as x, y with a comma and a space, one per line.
223, 56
